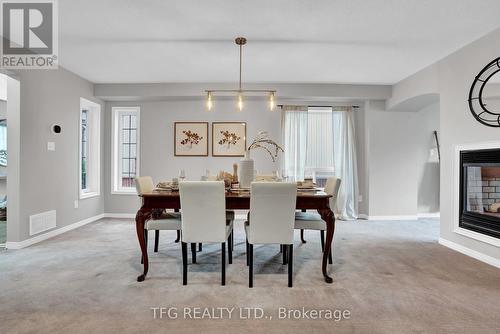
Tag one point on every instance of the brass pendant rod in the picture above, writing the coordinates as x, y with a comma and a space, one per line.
240, 41
319, 106
240, 90
240, 65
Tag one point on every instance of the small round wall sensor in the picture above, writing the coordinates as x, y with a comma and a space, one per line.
56, 129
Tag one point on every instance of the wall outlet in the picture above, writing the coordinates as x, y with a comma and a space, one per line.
360, 198
76, 204
51, 146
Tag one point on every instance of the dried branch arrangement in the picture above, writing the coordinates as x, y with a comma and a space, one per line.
228, 138
191, 138
262, 141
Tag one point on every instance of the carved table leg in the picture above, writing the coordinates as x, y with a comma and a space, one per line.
302, 230
302, 236
328, 216
140, 219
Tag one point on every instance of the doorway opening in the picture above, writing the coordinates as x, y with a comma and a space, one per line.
3, 160
9, 158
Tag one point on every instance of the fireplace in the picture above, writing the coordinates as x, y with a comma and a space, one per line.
480, 191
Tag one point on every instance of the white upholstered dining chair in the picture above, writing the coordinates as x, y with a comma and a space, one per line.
160, 221
230, 214
203, 206
313, 221
271, 219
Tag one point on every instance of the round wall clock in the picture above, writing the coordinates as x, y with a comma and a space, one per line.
485, 110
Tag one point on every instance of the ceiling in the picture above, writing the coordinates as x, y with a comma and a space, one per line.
321, 41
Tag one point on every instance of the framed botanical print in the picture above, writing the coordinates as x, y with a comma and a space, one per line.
229, 139
191, 139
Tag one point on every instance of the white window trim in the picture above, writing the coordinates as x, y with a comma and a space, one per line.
95, 134
115, 113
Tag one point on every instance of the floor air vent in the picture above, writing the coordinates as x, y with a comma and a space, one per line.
42, 222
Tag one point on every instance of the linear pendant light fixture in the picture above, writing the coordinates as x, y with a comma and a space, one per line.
240, 92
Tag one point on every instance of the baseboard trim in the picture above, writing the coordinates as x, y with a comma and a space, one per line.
410, 217
429, 215
51, 233
470, 252
119, 215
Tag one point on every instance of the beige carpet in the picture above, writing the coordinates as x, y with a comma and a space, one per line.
392, 277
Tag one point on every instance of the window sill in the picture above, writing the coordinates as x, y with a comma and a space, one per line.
124, 192
89, 195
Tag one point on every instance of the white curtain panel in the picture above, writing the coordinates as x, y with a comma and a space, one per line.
294, 125
319, 139
345, 163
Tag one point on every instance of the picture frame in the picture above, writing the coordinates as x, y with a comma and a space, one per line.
229, 139
191, 139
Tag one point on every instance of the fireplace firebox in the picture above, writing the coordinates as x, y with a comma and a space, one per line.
480, 191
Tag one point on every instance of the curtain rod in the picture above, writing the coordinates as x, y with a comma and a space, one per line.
322, 106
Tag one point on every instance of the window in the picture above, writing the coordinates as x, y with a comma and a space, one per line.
84, 145
126, 130
319, 157
3, 143
308, 140
90, 143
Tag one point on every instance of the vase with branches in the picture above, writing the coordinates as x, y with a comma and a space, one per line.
262, 141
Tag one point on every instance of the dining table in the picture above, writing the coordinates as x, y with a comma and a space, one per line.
159, 200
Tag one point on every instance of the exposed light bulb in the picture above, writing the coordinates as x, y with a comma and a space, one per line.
240, 102
272, 102
209, 101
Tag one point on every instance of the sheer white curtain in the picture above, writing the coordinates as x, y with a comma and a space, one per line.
319, 138
303, 150
294, 132
345, 162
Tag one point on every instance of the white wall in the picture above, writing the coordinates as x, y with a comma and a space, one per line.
3, 108
14, 159
456, 74
390, 145
289, 91
156, 142
3, 87
362, 145
396, 180
163, 104
416, 91
392, 161
49, 180
457, 126
427, 121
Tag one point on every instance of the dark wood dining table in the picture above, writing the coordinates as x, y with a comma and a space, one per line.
306, 200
